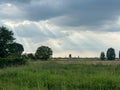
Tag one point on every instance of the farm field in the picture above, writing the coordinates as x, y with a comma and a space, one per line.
62, 75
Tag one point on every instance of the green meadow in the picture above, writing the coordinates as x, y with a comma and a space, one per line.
51, 75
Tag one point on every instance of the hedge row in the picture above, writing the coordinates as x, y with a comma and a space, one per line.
11, 62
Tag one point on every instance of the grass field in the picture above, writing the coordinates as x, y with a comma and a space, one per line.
62, 75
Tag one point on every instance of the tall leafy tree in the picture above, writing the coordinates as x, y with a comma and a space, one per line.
110, 54
6, 37
43, 52
15, 49
102, 56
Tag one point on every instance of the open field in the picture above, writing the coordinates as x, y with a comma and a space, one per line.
94, 62
62, 75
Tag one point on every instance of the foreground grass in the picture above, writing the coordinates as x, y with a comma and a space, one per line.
56, 76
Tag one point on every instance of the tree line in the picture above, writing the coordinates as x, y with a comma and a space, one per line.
11, 51
9, 48
42, 53
110, 54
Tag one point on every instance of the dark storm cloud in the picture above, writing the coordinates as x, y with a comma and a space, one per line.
15, 1
74, 13
69, 12
87, 13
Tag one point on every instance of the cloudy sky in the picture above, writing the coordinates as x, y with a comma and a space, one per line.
81, 27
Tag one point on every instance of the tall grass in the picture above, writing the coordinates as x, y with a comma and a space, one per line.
54, 76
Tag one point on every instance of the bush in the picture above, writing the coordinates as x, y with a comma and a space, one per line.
31, 56
11, 62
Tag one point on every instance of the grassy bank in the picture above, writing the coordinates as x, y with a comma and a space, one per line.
58, 76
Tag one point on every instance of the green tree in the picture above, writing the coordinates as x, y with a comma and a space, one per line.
70, 56
43, 52
6, 37
24, 56
31, 56
102, 56
110, 54
15, 49
119, 54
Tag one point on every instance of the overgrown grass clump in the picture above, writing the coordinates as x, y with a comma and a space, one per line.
54, 76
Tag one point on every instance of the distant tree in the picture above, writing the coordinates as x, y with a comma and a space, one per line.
6, 37
70, 56
30, 56
110, 54
119, 54
43, 52
15, 49
102, 56
24, 56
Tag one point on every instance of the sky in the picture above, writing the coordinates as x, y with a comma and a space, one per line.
82, 28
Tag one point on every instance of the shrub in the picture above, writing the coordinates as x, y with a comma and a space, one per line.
11, 62
31, 56
24, 56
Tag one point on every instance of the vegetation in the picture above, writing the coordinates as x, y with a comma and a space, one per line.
31, 56
110, 54
6, 38
43, 53
4, 62
70, 56
10, 52
24, 56
55, 76
15, 49
7, 45
119, 54
102, 56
